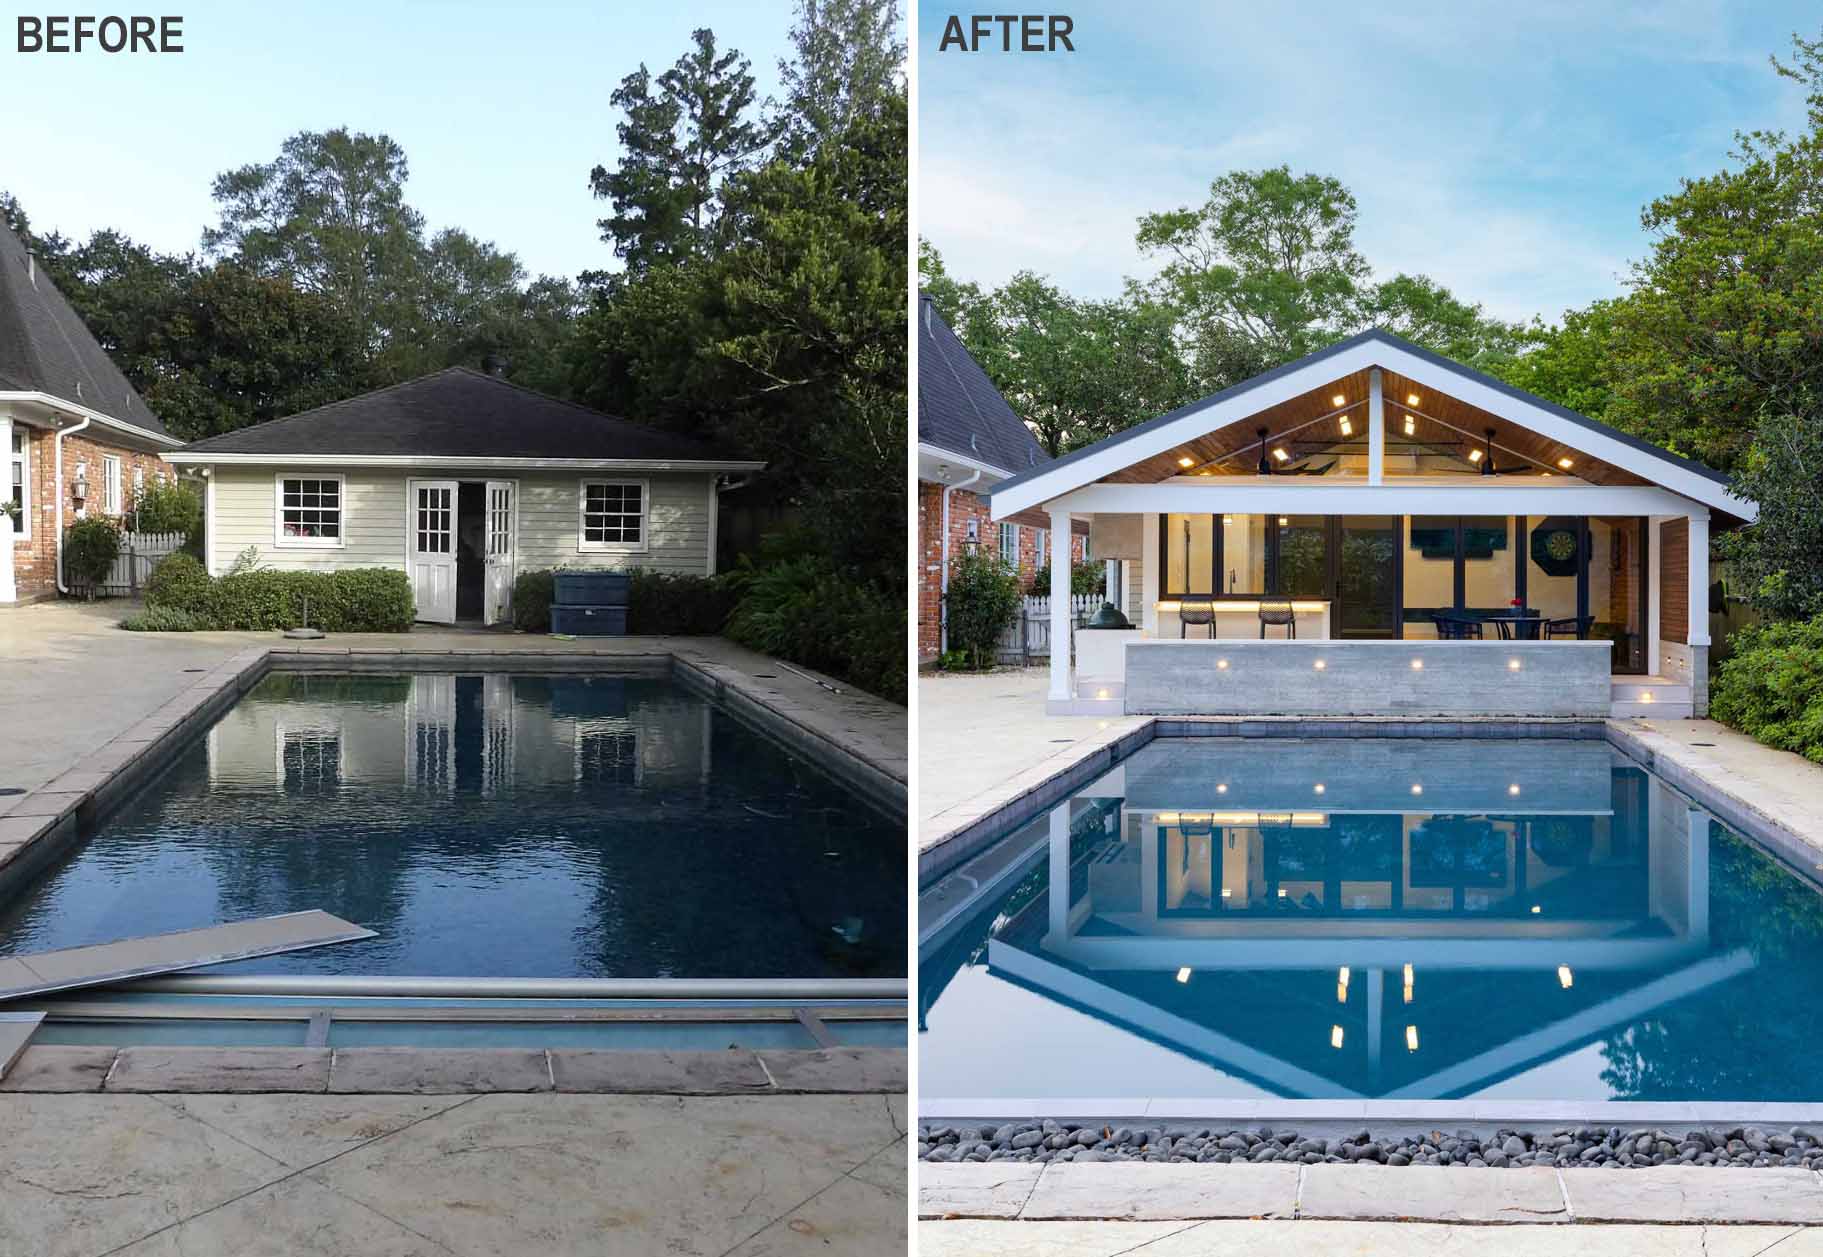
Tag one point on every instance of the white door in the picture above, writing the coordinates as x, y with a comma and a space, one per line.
498, 605
432, 520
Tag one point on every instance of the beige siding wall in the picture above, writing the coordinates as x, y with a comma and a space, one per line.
677, 524
373, 521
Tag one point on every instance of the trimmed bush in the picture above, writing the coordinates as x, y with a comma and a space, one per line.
1771, 687
983, 600
169, 508
90, 547
664, 603
533, 593
353, 600
162, 620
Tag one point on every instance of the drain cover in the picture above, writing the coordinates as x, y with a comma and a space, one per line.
193, 669
1702, 744
12, 789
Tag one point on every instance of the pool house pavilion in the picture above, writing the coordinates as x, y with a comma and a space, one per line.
1374, 530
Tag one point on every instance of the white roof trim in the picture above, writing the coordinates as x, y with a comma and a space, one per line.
938, 454
1119, 452
204, 458
107, 421
1469, 495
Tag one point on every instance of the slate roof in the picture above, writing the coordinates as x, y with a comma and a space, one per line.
458, 413
1330, 351
959, 409
46, 348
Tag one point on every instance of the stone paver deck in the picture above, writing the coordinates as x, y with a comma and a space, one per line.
1355, 1239
1127, 1192
476, 1176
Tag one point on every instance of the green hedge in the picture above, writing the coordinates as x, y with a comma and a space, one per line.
352, 600
162, 620
1771, 687
803, 610
658, 603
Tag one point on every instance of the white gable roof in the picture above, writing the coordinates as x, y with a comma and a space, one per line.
1370, 349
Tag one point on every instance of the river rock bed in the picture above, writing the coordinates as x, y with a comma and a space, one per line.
1611, 1147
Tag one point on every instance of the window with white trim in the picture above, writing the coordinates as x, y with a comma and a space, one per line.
1039, 537
613, 515
18, 487
1009, 544
111, 503
139, 484
310, 511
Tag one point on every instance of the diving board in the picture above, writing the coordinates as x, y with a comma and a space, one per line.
100, 964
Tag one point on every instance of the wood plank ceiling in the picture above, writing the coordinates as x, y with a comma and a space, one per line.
1310, 423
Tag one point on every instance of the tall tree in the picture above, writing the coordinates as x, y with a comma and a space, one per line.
683, 135
329, 214
845, 66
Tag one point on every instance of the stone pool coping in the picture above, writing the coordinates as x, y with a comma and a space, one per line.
1023, 1192
835, 727
455, 1071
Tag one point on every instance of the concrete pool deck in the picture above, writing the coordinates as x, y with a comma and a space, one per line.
473, 1175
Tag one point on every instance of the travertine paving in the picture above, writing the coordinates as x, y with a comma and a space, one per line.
476, 1176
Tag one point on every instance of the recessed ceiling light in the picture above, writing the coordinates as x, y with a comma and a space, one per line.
1474, 456
1338, 400
1280, 454
1347, 427
1186, 462
1411, 399
1565, 463
1411, 425
1283, 520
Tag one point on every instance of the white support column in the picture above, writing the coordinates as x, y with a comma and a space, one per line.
1699, 580
1654, 596
9, 590
1376, 429
1149, 575
1061, 691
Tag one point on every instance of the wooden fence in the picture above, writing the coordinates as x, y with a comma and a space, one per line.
1029, 636
139, 554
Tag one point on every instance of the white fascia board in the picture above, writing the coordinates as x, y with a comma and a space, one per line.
932, 456
84, 412
1259, 495
426, 462
1373, 352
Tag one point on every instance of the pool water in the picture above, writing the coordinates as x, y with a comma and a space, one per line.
494, 826
1375, 919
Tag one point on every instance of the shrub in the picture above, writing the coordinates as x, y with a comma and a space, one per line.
1085, 578
89, 549
679, 605
1771, 688
803, 610
983, 599
163, 620
180, 583
532, 595
169, 508
353, 600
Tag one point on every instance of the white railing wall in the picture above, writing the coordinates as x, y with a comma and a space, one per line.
139, 554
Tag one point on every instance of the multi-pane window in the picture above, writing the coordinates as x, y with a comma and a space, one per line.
17, 489
1040, 537
310, 511
1009, 544
613, 514
111, 489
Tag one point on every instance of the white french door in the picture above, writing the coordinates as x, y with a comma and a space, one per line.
431, 507
498, 601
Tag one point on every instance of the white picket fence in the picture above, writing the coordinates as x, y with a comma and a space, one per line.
1029, 636
139, 554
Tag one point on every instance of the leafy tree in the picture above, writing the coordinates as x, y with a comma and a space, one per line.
953, 298
981, 602
1779, 561
328, 214
684, 133
1424, 311
846, 67
1570, 364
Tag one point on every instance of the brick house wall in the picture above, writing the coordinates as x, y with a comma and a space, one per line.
964, 507
35, 560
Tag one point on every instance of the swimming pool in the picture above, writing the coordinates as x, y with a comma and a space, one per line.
494, 825
1372, 919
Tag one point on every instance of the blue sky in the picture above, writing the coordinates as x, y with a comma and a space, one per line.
502, 110
1505, 150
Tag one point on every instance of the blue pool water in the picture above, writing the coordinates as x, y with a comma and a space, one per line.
1375, 919
496, 826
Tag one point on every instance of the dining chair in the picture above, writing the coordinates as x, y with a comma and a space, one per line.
1198, 612
1281, 615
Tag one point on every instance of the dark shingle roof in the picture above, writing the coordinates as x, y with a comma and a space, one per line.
45, 348
459, 413
959, 409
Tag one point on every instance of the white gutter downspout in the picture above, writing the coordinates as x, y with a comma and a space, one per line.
943, 589
57, 450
